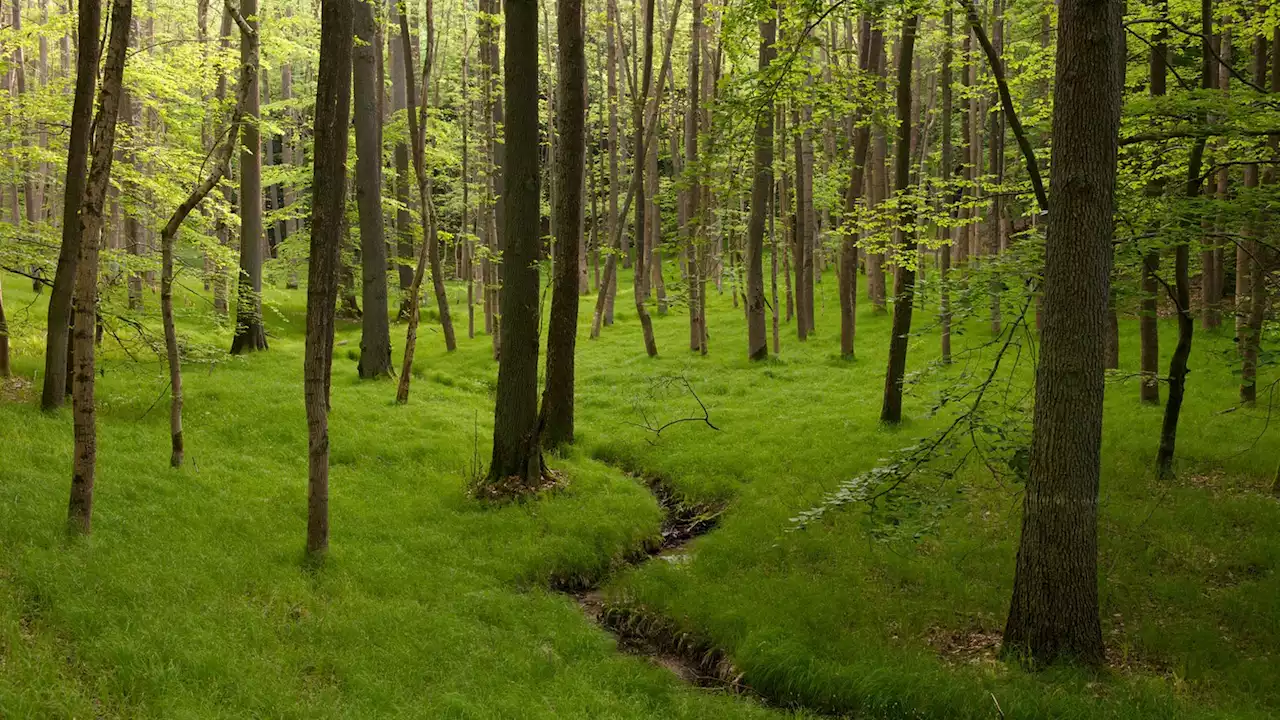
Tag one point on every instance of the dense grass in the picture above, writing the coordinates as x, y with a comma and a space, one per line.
190, 599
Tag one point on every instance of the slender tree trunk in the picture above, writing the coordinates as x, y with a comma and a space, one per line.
221, 161
57, 345
1054, 611
517, 454
905, 277
762, 188
375, 333
84, 416
1149, 323
562, 334
1182, 260
1251, 286
692, 228
399, 102
328, 204
250, 334
945, 231
869, 44
638, 172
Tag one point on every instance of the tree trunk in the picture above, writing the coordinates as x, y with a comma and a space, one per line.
870, 42
1149, 322
562, 333
399, 102
1054, 611
945, 231
57, 345
905, 277
1251, 286
84, 417
375, 334
1182, 260
517, 455
250, 334
762, 188
638, 171
221, 161
692, 228
328, 203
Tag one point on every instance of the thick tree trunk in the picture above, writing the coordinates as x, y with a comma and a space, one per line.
84, 416
375, 333
762, 188
570, 159
517, 454
905, 277
1054, 611
328, 203
57, 345
250, 334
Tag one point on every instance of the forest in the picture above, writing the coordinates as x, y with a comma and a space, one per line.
639, 358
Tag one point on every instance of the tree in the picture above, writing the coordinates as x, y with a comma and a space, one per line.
905, 277
761, 189
641, 285
333, 100
562, 334
517, 453
221, 164
1054, 610
870, 44
375, 333
250, 334
84, 417
55, 387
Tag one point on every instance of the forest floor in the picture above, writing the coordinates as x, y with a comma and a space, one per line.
190, 598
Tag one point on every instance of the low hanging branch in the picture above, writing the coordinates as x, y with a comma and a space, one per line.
221, 162
1006, 102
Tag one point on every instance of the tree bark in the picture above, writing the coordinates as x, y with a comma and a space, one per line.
57, 345
1054, 613
250, 334
399, 102
328, 203
1149, 322
641, 285
762, 188
1182, 282
870, 43
375, 333
84, 417
945, 231
1251, 286
517, 454
570, 160
221, 162
905, 277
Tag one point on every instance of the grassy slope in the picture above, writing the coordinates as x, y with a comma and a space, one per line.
188, 599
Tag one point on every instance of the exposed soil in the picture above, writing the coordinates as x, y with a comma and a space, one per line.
649, 634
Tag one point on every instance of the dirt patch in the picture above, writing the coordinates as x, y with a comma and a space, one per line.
17, 390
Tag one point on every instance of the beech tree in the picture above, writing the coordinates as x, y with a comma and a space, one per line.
375, 335
557, 396
84, 414
1054, 611
517, 451
251, 334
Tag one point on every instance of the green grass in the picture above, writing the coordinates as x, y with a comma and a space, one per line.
190, 598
